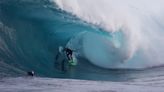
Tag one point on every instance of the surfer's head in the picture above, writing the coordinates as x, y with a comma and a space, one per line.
31, 73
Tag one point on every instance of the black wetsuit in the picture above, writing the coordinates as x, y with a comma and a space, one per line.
68, 53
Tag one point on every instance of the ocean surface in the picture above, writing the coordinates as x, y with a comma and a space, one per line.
113, 40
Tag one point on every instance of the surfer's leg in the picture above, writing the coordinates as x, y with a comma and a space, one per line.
70, 57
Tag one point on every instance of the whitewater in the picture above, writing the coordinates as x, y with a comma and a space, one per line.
135, 28
118, 45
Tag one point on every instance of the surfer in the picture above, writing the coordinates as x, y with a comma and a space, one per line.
72, 61
68, 52
31, 73
65, 54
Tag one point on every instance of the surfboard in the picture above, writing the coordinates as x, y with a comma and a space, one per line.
73, 62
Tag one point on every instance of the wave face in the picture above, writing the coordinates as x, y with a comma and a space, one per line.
131, 35
110, 34
30, 33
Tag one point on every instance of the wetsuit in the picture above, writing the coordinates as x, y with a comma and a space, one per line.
68, 53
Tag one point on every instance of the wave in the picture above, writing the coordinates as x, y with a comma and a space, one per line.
133, 36
30, 34
109, 35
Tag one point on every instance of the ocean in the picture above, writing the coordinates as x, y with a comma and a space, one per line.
113, 40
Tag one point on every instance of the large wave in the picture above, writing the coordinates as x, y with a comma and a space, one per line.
30, 34
132, 35
109, 34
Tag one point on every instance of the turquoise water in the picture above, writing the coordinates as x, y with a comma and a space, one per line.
31, 32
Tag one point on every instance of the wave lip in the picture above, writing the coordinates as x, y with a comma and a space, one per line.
141, 25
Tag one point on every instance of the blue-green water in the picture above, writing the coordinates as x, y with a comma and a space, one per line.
31, 32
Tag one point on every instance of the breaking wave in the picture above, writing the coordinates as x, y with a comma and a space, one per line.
112, 34
132, 35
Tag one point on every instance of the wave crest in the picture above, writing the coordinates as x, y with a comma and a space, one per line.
141, 24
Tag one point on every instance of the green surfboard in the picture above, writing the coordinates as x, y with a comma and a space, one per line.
73, 62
